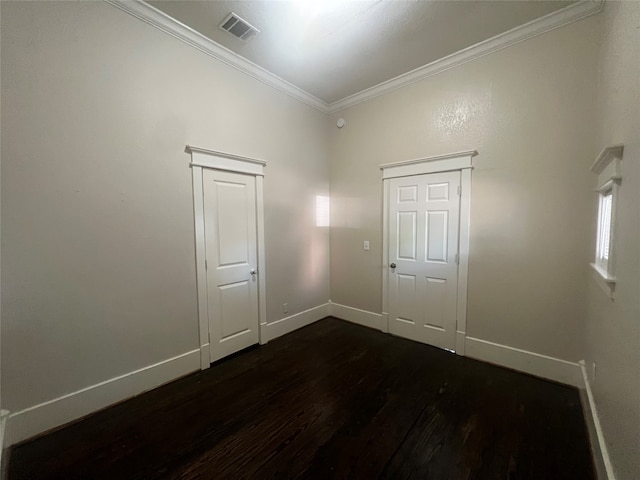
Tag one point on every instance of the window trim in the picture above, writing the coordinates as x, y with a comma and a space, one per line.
607, 167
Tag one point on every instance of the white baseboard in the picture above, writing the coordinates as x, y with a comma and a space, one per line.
604, 469
4, 415
524, 361
31, 421
286, 325
355, 315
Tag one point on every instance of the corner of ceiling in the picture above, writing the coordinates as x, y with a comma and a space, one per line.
154, 17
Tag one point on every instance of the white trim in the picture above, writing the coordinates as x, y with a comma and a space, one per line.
606, 156
607, 167
205, 352
464, 244
262, 284
269, 331
462, 161
160, 20
201, 273
72, 406
202, 157
599, 449
206, 158
385, 256
231, 156
355, 315
4, 416
524, 361
553, 20
436, 164
165, 23
606, 282
385, 322
461, 338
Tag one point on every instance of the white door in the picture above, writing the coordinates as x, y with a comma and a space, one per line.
424, 217
231, 261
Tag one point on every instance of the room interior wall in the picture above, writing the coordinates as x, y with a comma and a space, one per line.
97, 210
613, 326
528, 110
98, 269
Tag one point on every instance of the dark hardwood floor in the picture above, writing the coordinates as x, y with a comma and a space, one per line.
333, 400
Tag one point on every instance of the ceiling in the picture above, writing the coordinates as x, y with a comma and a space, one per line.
336, 48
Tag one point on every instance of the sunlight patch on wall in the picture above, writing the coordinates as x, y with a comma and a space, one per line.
322, 211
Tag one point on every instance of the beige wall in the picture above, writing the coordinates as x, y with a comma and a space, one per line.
528, 110
98, 272
97, 225
613, 327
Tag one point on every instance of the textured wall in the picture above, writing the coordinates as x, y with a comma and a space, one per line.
613, 327
529, 112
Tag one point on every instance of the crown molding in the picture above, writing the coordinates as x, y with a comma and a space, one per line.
160, 20
163, 22
551, 21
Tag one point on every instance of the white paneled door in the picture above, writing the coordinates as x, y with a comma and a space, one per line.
231, 261
424, 217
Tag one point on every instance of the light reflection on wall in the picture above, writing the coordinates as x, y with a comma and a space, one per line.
322, 211
463, 115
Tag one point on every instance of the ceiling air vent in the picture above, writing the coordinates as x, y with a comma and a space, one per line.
238, 27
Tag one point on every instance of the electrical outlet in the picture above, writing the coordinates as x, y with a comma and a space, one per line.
285, 308
366, 245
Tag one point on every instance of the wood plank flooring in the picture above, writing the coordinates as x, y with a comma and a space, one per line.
332, 400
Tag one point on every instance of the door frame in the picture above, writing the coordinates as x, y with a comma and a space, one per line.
459, 161
202, 158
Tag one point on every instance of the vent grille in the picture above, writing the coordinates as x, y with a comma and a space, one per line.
238, 27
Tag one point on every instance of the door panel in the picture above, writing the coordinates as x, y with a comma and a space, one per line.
424, 216
406, 285
231, 256
407, 235
436, 244
232, 228
235, 304
434, 302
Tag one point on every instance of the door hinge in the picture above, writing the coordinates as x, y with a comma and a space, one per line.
457, 259
206, 267
459, 190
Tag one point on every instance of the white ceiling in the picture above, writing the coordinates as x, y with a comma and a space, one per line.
335, 48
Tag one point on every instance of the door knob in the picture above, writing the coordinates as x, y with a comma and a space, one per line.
393, 265
253, 271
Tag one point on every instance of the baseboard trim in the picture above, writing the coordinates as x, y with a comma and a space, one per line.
355, 315
4, 416
604, 469
54, 413
524, 361
270, 331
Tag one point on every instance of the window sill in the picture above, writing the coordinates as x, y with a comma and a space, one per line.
606, 282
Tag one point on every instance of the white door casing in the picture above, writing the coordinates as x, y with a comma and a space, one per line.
229, 241
423, 251
449, 335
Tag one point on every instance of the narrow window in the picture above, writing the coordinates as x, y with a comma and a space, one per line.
603, 246
607, 167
